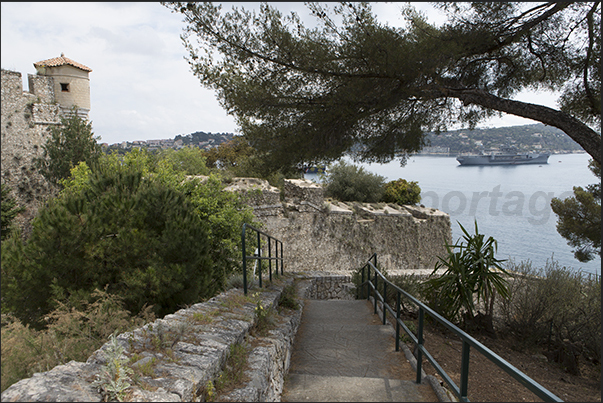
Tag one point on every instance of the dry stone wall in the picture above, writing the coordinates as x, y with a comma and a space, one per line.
184, 351
331, 286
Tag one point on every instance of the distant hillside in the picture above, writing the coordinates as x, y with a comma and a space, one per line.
536, 137
198, 139
202, 139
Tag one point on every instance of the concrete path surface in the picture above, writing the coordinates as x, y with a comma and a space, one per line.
343, 353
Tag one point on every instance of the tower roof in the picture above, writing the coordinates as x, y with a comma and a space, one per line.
61, 61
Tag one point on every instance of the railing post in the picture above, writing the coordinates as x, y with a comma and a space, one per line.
398, 321
420, 344
464, 371
368, 284
376, 291
269, 260
244, 259
260, 260
383, 302
362, 283
282, 261
276, 254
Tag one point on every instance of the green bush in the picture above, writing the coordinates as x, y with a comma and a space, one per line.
9, 211
69, 144
139, 237
346, 182
553, 305
189, 160
402, 192
471, 279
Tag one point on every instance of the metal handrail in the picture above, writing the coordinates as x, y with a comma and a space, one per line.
468, 341
259, 257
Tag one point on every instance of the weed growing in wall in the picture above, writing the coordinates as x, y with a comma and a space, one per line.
114, 378
288, 298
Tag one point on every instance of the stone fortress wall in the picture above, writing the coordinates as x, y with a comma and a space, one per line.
326, 235
26, 119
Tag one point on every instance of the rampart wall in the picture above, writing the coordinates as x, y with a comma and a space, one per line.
26, 119
322, 234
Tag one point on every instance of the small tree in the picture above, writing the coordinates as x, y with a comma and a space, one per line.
9, 211
347, 182
70, 143
580, 218
136, 235
402, 192
472, 272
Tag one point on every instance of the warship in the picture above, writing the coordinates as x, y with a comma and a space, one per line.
506, 156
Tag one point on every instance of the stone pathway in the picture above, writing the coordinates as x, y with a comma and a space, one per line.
343, 352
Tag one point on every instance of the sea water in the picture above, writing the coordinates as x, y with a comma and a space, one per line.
510, 203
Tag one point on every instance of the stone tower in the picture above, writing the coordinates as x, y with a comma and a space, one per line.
71, 83
26, 121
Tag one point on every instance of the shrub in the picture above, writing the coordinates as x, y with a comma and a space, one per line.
402, 192
9, 211
69, 144
288, 298
134, 234
346, 182
470, 275
72, 334
189, 160
554, 305
132, 222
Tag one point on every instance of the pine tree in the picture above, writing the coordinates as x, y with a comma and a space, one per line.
70, 143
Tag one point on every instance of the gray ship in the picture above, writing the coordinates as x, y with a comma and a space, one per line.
506, 156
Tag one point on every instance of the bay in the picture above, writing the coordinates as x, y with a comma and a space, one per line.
509, 203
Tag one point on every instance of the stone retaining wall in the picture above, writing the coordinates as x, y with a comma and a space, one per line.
186, 351
332, 287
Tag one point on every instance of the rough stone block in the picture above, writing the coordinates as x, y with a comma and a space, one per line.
304, 191
64, 383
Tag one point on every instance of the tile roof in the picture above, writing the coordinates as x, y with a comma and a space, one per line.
61, 61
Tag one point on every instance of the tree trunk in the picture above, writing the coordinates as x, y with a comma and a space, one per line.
578, 131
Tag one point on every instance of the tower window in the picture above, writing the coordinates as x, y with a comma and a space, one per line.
64, 87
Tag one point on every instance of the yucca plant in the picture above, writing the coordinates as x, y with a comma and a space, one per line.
472, 275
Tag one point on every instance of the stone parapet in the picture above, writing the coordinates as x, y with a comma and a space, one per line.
187, 350
303, 192
42, 87
319, 233
259, 194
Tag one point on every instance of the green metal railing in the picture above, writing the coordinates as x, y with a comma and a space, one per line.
258, 254
468, 341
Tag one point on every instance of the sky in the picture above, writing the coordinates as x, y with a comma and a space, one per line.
141, 87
